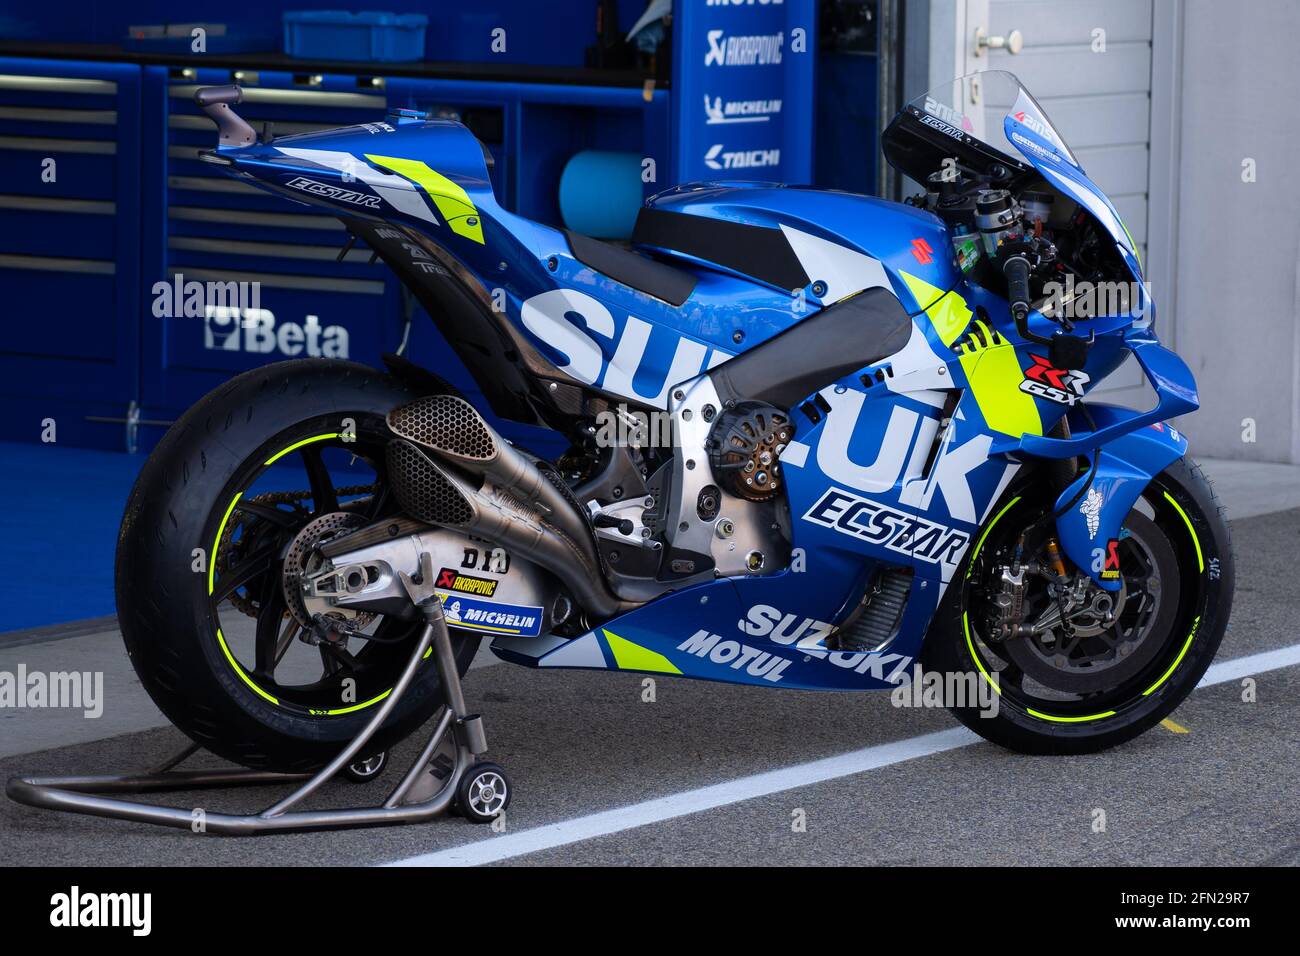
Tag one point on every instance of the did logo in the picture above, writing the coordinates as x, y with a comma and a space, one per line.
234, 329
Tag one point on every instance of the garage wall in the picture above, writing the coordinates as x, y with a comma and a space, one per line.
1222, 255
1238, 243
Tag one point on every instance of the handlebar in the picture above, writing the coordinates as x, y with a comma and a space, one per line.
1016, 269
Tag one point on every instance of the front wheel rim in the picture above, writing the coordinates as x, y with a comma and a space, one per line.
1134, 694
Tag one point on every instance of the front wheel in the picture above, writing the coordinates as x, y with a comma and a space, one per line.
1088, 670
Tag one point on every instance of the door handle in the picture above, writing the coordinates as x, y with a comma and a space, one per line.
1013, 42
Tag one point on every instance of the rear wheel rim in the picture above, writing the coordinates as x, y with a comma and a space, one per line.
246, 571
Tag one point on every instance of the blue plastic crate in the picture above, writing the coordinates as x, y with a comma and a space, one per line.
339, 35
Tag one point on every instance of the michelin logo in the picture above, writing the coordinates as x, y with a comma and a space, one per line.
519, 620
739, 111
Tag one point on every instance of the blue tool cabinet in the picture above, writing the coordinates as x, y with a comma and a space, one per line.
130, 206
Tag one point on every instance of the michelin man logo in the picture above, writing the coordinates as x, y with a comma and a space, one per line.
453, 611
1091, 509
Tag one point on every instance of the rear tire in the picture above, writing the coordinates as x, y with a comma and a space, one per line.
174, 514
1192, 521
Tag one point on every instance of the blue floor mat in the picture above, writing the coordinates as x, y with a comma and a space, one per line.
58, 531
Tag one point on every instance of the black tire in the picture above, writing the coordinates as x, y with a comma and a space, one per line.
1192, 522
167, 620
470, 800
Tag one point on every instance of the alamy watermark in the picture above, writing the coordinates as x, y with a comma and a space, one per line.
965, 689
73, 690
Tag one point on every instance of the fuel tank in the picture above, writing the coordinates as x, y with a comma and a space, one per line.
910, 243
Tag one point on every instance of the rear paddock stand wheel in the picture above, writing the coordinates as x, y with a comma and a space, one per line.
366, 769
483, 793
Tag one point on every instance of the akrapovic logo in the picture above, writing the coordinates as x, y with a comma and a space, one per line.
720, 158
757, 50
325, 191
231, 329
720, 112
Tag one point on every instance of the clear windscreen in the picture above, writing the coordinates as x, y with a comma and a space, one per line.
990, 107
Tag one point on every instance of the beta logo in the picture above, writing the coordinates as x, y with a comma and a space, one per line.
1063, 386
232, 329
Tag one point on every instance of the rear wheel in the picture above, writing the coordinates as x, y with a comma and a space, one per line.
223, 521
1099, 667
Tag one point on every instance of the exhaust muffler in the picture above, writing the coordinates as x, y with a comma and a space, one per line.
514, 503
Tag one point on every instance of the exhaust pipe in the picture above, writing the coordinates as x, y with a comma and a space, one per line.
453, 429
531, 517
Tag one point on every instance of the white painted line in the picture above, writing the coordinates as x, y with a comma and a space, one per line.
693, 801
494, 849
1224, 672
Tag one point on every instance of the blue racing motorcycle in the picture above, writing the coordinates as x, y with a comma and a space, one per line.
815, 440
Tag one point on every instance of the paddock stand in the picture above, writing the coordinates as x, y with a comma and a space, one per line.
480, 791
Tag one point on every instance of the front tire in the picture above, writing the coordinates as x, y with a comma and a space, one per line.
1182, 529
200, 568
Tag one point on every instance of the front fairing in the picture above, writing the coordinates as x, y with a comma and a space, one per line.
992, 126
1064, 172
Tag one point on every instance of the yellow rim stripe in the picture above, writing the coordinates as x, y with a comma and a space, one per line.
970, 644
212, 564
965, 623
296, 445
221, 528
1177, 660
355, 707
240, 671
1069, 720
980, 544
1200, 559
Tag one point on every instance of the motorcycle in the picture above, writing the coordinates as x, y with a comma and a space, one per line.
815, 440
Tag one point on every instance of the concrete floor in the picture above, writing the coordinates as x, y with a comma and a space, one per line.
716, 774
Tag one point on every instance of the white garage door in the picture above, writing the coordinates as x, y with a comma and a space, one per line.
1088, 62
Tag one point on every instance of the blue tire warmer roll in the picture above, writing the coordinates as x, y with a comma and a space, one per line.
600, 193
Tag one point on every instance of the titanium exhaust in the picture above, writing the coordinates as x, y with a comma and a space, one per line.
436, 494
454, 430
